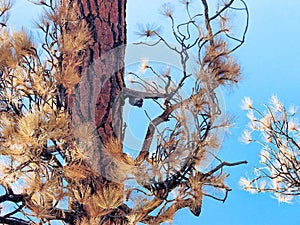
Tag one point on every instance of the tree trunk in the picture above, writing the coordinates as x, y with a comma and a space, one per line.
102, 78
95, 101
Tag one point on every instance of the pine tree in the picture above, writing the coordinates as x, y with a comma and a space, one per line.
61, 127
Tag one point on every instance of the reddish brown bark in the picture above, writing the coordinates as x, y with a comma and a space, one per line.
95, 98
103, 80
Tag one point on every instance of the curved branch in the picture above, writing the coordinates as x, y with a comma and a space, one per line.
14, 221
169, 212
227, 5
245, 30
220, 166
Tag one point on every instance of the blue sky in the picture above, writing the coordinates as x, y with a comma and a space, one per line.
269, 60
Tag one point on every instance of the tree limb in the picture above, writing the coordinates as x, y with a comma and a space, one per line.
13, 221
220, 166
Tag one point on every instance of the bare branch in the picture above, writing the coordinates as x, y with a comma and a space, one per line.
14, 221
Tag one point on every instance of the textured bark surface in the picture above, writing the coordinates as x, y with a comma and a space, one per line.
95, 98
94, 102
103, 76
